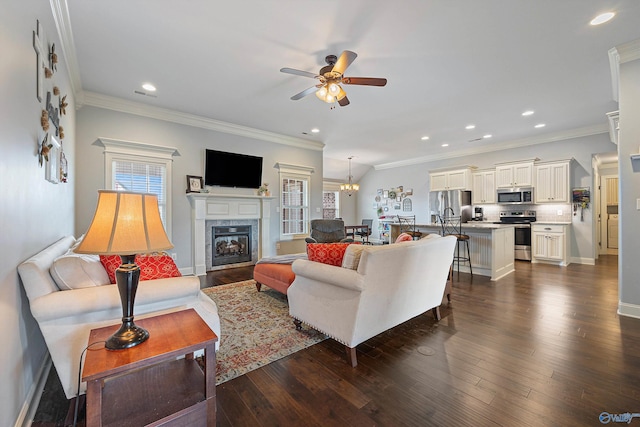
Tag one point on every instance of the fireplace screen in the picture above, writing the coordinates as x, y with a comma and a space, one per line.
231, 244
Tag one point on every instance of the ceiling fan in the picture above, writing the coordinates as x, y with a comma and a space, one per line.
331, 76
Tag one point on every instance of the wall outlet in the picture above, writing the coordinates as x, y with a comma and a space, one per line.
278, 245
559, 212
174, 255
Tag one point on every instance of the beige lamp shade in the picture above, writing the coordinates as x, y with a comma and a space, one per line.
125, 223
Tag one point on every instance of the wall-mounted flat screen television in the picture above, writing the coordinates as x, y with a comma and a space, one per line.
232, 169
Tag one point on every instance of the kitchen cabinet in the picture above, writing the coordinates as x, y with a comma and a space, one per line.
458, 179
549, 243
552, 183
514, 175
484, 187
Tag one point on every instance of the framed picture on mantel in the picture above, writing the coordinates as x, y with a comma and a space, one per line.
194, 184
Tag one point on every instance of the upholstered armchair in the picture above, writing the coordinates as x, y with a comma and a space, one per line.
327, 231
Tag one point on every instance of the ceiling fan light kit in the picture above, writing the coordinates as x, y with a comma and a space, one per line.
331, 76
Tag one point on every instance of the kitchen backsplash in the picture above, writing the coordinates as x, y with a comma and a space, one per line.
545, 213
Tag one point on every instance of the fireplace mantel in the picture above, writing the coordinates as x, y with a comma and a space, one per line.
211, 206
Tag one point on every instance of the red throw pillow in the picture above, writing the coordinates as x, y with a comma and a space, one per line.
152, 266
157, 266
327, 253
110, 263
404, 237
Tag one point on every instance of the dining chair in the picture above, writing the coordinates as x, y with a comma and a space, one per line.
364, 235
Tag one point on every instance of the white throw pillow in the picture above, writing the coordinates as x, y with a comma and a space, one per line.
352, 255
75, 271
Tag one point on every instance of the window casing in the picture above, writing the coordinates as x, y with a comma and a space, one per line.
140, 167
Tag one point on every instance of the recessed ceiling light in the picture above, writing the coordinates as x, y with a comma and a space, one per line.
487, 135
425, 138
527, 113
445, 145
149, 87
469, 127
315, 130
539, 125
602, 18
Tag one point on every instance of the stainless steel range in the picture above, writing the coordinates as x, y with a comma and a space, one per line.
522, 221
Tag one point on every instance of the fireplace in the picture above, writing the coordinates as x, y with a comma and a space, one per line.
230, 244
228, 210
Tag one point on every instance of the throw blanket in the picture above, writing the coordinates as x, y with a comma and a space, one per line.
282, 259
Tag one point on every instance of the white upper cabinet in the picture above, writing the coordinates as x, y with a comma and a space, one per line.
552, 182
484, 187
514, 175
458, 179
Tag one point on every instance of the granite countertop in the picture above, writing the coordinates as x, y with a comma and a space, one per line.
552, 222
473, 224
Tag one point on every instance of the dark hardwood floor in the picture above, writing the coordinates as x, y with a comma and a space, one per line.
543, 346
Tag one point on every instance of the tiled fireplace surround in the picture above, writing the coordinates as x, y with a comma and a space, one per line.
209, 210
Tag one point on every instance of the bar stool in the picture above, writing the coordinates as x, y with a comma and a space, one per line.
408, 225
452, 226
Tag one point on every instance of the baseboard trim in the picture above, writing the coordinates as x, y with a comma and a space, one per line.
30, 405
629, 310
586, 261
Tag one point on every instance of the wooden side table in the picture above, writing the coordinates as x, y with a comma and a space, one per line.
147, 385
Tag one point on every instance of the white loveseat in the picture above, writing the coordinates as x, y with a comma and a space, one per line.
392, 284
66, 317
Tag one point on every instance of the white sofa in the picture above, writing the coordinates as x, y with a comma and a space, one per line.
392, 284
66, 317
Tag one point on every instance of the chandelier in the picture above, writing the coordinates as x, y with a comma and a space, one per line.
350, 187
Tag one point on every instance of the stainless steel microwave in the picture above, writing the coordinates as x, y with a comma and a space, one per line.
515, 195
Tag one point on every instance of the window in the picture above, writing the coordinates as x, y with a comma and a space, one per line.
330, 205
294, 200
143, 168
141, 177
330, 200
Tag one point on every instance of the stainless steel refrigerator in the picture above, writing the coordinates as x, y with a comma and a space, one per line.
442, 203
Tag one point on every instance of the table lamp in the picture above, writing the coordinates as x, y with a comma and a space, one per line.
125, 224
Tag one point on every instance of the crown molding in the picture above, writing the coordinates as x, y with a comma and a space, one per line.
559, 136
620, 54
130, 107
629, 51
60, 11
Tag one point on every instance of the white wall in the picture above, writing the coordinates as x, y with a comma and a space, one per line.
629, 141
417, 177
33, 212
191, 142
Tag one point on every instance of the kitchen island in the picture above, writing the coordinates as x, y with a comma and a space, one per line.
490, 246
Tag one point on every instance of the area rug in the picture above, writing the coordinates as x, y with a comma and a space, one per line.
256, 329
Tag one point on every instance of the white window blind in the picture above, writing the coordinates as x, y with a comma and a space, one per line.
142, 177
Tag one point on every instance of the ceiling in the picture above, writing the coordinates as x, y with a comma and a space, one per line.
448, 64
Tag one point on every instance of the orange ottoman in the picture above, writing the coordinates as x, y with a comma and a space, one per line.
275, 276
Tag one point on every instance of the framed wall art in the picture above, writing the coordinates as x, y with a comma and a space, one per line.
194, 184
52, 161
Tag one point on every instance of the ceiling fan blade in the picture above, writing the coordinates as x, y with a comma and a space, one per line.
367, 81
304, 93
344, 101
346, 58
299, 72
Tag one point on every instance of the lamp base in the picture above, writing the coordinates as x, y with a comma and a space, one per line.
129, 335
